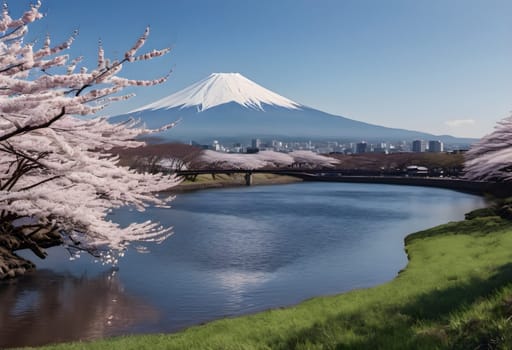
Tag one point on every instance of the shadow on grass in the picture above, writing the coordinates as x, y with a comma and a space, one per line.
436, 304
388, 326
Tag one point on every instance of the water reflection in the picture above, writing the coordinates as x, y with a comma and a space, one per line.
237, 282
77, 308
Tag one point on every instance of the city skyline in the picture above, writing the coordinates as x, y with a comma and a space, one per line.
330, 146
439, 67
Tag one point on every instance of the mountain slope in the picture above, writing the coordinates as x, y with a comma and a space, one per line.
228, 106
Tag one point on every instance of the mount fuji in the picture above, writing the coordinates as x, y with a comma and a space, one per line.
228, 106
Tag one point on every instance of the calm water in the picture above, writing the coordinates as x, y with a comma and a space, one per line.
234, 251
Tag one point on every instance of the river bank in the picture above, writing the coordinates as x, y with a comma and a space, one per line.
455, 293
202, 182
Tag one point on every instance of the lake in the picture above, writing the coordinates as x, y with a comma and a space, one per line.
234, 251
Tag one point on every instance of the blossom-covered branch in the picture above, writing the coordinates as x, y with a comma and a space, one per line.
58, 181
491, 158
265, 159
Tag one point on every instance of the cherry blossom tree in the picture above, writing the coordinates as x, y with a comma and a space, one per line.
265, 159
490, 159
58, 181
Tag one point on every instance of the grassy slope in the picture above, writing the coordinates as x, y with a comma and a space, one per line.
233, 180
456, 293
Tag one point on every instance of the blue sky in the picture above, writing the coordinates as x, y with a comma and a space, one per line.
440, 66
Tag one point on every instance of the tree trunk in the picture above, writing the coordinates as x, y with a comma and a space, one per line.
12, 265
17, 238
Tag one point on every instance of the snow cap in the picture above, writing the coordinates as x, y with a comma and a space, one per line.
221, 88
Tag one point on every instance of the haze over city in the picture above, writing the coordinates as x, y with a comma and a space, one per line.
441, 67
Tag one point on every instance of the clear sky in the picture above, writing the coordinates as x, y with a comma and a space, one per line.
439, 66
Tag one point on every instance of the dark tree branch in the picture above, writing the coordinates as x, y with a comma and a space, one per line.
28, 128
24, 164
11, 67
40, 183
11, 32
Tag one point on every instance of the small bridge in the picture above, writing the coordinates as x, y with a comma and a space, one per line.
358, 176
296, 172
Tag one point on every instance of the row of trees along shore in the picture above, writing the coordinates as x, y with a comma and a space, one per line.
59, 178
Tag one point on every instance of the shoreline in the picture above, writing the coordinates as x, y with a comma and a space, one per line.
205, 182
479, 188
215, 181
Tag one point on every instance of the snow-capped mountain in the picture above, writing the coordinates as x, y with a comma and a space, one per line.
228, 106
220, 88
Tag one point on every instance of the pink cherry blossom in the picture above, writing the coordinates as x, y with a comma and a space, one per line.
56, 172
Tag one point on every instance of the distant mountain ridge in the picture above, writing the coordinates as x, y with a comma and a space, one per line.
228, 106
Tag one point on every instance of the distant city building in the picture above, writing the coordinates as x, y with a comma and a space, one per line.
216, 145
237, 148
252, 150
277, 144
419, 146
435, 146
255, 143
361, 147
380, 149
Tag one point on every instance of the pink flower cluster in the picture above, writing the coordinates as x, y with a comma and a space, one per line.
55, 167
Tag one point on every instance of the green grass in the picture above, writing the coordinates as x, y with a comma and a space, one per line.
224, 180
456, 293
